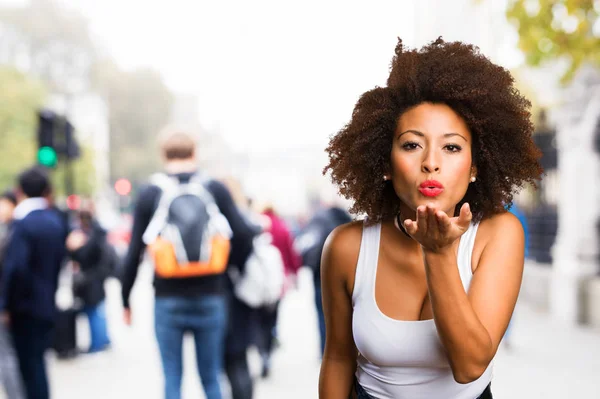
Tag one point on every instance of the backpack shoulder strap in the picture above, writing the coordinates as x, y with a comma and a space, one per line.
198, 186
170, 189
163, 181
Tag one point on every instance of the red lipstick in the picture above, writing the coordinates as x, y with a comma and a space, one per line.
431, 188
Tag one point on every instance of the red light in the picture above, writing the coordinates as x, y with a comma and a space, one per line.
123, 186
73, 202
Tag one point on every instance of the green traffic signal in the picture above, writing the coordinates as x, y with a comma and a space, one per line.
47, 157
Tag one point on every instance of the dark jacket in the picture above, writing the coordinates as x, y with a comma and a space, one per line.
95, 259
311, 239
31, 265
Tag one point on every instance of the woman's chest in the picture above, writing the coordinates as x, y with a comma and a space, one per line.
394, 343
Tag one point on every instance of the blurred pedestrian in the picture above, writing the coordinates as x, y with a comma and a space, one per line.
193, 230
241, 326
95, 259
267, 316
418, 295
32, 261
8, 203
10, 376
310, 242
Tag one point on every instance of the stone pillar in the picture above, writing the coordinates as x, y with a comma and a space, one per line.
575, 253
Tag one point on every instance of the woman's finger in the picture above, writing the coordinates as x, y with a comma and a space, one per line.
422, 219
443, 222
432, 223
465, 216
410, 226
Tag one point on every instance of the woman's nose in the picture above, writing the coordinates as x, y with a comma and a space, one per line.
430, 164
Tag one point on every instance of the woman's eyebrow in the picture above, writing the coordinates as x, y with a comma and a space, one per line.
455, 134
413, 132
418, 133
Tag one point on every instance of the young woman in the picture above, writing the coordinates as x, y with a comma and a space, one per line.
417, 296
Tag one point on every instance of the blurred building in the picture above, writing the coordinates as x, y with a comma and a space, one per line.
288, 179
575, 284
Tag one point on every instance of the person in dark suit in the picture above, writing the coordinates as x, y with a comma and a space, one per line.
32, 263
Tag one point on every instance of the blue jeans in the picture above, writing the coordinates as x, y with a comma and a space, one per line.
98, 332
203, 316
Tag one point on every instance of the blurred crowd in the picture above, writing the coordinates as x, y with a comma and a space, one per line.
222, 261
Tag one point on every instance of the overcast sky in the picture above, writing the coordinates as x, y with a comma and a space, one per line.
269, 74
275, 74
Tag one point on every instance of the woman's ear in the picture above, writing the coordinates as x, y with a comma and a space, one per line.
473, 174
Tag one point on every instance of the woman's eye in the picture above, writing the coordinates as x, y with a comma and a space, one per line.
410, 146
453, 148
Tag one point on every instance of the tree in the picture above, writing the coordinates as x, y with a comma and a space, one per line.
140, 105
49, 42
20, 98
57, 48
555, 29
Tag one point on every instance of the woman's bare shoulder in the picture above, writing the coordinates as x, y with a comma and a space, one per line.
501, 226
498, 224
346, 237
341, 251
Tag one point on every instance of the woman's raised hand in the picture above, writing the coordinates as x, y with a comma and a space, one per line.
435, 230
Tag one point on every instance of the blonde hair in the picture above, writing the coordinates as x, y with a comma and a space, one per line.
176, 144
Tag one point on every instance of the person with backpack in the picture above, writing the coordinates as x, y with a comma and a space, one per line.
193, 231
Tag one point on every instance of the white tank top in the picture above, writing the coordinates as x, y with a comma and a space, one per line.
404, 359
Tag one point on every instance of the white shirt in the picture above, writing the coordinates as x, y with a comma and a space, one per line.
404, 359
29, 205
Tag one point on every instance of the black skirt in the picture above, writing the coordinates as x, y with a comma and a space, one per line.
362, 394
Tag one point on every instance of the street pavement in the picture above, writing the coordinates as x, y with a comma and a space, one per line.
545, 360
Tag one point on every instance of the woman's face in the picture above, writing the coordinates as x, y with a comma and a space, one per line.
431, 158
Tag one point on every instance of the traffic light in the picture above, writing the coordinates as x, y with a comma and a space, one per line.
56, 137
47, 157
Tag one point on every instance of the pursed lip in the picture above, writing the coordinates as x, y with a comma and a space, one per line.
431, 188
431, 184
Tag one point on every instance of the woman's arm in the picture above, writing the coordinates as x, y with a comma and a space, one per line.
338, 266
472, 325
